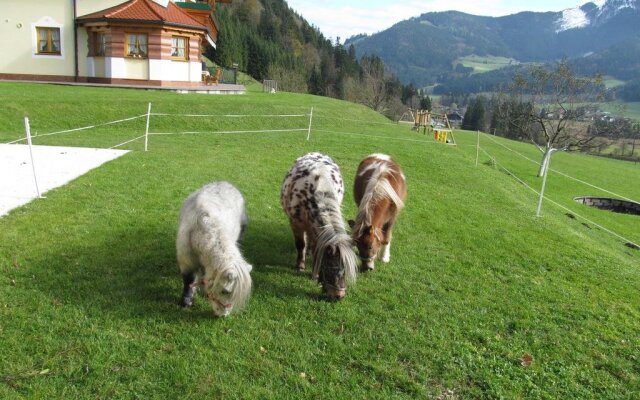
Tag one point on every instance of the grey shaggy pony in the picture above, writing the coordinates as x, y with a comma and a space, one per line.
212, 223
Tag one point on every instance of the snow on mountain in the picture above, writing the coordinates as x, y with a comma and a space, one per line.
596, 11
572, 18
612, 7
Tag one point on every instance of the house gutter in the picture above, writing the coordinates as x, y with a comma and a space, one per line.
75, 41
200, 28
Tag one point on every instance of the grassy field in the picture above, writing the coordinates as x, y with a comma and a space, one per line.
612, 83
629, 109
481, 298
485, 64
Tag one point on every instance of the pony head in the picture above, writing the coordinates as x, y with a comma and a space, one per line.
229, 290
334, 263
368, 240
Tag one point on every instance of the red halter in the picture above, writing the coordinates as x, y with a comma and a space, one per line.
213, 297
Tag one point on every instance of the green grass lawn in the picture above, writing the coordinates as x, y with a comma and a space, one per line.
476, 284
612, 83
629, 109
486, 63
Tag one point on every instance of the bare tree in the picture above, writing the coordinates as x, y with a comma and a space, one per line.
559, 109
289, 79
373, 92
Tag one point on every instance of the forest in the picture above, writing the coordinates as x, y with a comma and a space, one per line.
269, 40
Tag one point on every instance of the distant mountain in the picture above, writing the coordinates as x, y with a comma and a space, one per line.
423, 50
621, 61
593, 14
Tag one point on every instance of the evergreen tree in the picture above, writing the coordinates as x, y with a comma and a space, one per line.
258, 58
479, 114
316, 83
474, 117
467, 120
425, 103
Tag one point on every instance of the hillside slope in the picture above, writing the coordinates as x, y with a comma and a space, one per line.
481, 298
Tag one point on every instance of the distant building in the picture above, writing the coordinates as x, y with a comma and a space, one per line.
454, 118
150, 42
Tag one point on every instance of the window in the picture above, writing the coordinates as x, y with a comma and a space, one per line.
48, 40
180, 47
100, 44
137, 45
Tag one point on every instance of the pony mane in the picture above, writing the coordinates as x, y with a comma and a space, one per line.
240, 294
327, 238
221, 253
378, 188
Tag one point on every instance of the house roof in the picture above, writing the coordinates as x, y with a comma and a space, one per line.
145, 12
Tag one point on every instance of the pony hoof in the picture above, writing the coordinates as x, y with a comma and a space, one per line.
367, 266
186, 302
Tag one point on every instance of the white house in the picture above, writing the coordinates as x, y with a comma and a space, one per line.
150, 42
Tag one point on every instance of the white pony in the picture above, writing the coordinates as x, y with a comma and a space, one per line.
212, 223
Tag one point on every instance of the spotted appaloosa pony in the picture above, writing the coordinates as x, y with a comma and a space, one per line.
380, 190
212, 222
311, 197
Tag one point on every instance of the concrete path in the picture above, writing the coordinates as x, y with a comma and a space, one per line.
54, 165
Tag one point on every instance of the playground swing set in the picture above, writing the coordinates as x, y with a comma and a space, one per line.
431, 122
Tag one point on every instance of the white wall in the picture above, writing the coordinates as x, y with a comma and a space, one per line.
18, 37
169, 70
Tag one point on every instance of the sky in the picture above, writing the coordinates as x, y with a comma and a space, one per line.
345, 18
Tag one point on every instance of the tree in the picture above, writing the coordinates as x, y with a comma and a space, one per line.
258, 59
249, 12
425, 103
289, 79
474, 117
505, 114
373, 92
316, 83
563, 95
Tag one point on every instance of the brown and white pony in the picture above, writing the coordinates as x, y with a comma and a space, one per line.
311, 197
380, 190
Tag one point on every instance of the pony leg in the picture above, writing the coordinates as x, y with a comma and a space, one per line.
189, 289
386, 246
386, 252
301, 243
244, 221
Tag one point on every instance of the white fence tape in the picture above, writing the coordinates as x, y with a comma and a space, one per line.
561, 173
80, 129
558, 204
308, 130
